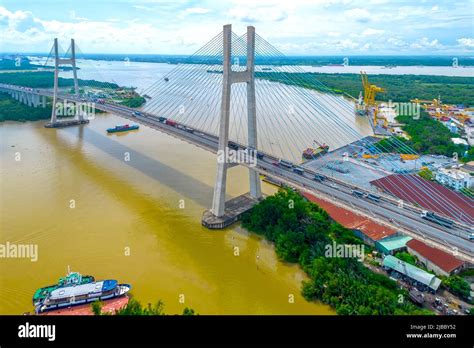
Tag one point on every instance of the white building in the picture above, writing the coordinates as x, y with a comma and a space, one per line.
469, 129
455, 178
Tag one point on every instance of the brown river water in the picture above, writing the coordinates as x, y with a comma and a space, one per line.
73, 194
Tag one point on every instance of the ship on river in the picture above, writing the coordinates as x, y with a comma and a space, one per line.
311, 153
123, 128
71, 279
79, 294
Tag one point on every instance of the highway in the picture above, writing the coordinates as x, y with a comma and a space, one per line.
386, 211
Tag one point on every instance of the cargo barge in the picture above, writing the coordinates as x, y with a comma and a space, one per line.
123, 128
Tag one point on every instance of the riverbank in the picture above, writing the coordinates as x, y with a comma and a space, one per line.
302, 232
399, 88
13, 110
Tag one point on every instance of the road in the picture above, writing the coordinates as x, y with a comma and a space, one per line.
385, 211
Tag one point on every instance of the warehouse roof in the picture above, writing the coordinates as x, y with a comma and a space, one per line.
351, 220
394, 243
429, 195
442, 259
412, 272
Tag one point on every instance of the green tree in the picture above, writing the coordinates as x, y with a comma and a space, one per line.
189, 311
426, 174
457, 285
97, 307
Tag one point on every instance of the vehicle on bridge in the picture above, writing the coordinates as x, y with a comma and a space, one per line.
357, 193
170, 122
431, 216
136, 113
373, 197
318, 177
471, 236
285, 164
189, 129
233, 146
259, 154
298, 170
162, 119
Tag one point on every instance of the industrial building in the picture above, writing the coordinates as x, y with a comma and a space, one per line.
435, 260
421, 279
392, 245
367, 230
427, 194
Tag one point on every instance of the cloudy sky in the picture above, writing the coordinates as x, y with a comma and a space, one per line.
296, 27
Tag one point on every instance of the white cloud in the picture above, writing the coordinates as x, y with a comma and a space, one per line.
72, 15
257, 14
466, 42
300, 26
197, 10
425, 43
371, 32
358, 14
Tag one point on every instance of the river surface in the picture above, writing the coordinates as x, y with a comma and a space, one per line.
136, 221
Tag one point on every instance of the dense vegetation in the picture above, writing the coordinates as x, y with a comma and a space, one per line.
399, 88
301, 231
45, 79
16, 63
12, 110
408, 258
134, 102
457, 285
426, 174
134, 307
428, 136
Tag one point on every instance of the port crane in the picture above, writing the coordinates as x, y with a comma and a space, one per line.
370, 91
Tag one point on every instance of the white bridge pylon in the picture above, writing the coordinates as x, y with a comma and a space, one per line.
229, 77
57, 63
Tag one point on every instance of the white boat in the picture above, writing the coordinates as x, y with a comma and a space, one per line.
81, 294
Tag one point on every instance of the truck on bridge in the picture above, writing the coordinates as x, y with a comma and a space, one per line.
430, 216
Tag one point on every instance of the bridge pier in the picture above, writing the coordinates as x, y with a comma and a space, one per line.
220, 216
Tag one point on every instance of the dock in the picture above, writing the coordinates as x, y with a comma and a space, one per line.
62, 124
233, 211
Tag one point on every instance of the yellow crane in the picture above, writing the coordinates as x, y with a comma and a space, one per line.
370, 91
431, 104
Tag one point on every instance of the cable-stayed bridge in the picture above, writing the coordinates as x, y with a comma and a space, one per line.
234, 94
